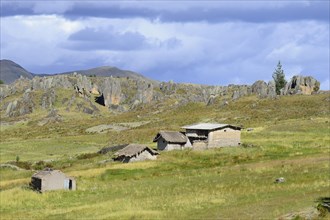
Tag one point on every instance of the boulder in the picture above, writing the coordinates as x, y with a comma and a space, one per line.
260, 88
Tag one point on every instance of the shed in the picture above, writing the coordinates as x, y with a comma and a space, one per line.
171, 140
135, 152
49, 179
210, 135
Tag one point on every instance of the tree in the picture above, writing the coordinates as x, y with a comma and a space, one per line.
279, 78
1, 82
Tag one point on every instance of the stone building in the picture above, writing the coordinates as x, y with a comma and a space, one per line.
135, 152
49, 179
171, 140
207, 135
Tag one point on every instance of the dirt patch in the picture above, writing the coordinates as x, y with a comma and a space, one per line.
105, 128
116, 127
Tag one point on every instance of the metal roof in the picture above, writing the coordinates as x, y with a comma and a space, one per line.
208, 126
172, 137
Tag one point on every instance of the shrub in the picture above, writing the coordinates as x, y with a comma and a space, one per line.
87, 156
22, 164
40, 165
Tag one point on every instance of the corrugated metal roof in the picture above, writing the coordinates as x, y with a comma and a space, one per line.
205, 126
172, 137
133, 149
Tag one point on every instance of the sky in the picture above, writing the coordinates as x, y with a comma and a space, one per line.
204, 42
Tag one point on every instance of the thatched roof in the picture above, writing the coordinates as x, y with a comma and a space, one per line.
172, 137
209, 126
133, 149
111, 149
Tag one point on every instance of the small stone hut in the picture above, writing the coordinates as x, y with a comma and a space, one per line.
49, 179
208, 135
135, 152
171, 140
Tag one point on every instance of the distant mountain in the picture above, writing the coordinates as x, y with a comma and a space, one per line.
108, 71
10, 71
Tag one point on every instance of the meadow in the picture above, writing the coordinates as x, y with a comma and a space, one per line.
290, 139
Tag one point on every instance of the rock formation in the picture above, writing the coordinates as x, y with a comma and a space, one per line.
48, 99
124, 94
20, 107
260, 88
301, 85
111, 90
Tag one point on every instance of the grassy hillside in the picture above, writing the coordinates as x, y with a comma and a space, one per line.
291, 139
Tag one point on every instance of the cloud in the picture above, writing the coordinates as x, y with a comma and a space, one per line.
178, 11
34, 40
55, 7
93, 39
209, 49
109, 39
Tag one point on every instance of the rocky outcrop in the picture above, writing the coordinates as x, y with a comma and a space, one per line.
168, 87
52, 117
48, 99
301, 85
20, 107
240, 91
20, 85
260, 88
111, 90
124, 94
144, 92
58, 81
264, 90
271, 90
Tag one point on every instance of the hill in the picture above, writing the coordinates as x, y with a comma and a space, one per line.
62, 121
108, 71
290, 139
10, 71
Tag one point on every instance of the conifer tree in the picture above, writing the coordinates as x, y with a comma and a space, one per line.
279, 78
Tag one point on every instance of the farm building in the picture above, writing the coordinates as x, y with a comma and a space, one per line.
207, 135
49, 179
171, 140
135, 152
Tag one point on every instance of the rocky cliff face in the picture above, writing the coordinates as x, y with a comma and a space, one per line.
123, 94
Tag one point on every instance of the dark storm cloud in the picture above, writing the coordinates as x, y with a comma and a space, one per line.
316, 11
211, 12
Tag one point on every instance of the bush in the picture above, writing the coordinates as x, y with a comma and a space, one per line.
22, 164
40, 165
87, 156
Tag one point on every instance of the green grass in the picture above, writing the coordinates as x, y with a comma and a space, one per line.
291, 139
